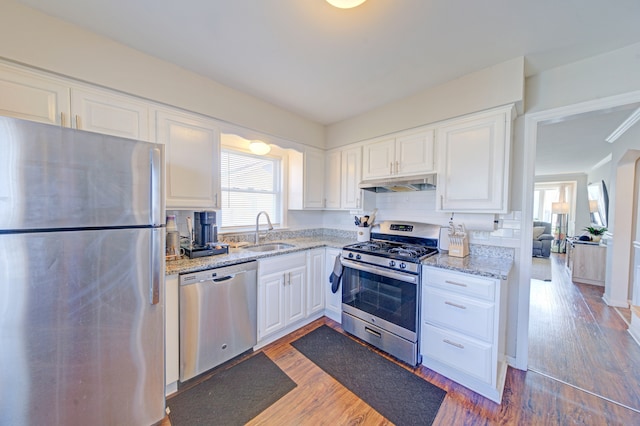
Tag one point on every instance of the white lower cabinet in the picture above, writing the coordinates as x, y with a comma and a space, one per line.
462, 332
172, 332
315, 289
333, 301
282, 284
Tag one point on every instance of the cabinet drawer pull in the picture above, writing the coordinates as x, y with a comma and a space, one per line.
62, 119
77, 121
457, 345
397, 166
456, 283
391, 168
455, 305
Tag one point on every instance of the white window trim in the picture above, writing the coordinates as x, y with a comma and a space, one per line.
276, 153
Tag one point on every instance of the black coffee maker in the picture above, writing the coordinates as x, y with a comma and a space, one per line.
204, 241
205, 228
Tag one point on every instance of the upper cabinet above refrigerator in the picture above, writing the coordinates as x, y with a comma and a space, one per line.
46, 99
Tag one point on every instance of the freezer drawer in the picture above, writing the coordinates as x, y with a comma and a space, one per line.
218, 316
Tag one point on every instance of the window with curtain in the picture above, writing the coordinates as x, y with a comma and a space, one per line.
250, 184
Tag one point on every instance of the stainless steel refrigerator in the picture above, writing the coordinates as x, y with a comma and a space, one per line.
81, 277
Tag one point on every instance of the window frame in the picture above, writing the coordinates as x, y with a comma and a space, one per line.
279, 159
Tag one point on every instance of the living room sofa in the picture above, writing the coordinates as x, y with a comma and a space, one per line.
542, 239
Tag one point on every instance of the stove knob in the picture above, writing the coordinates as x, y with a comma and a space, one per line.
350, 255
392, 263
358, 257
403, 265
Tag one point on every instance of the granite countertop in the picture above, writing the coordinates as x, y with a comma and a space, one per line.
238, 255
492, 267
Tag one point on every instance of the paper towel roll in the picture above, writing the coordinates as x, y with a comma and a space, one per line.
477, 221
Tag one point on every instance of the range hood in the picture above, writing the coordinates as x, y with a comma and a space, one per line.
400, 184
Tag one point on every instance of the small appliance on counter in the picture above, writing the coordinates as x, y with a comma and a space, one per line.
203, 238
458, 241
173, 250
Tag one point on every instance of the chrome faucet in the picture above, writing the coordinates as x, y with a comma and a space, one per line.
257, 239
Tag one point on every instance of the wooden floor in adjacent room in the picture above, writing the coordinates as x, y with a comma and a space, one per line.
530, 397
577, 338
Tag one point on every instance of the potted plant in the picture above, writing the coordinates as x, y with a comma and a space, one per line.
596, 233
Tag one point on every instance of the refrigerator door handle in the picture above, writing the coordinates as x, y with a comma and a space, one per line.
156, 208
156, 266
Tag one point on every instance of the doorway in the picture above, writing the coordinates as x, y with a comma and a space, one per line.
532, 123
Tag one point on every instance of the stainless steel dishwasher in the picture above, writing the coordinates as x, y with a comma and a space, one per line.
218, 316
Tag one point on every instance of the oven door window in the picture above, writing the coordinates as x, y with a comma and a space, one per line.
387, 298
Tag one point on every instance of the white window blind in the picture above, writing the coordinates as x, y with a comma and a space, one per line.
250, 184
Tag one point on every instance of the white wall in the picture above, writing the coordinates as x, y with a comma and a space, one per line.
30, 37
609, 74
498, 85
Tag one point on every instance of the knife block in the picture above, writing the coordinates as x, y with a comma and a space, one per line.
458, 246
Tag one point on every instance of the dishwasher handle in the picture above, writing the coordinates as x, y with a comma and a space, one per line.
228, 277
217, 279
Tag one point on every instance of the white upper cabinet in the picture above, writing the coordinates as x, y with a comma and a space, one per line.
351, 174
47, 99
415, 153
110, 114
343, 174
378, 159
473, 163
28, 96
332, 186
192, 151
403, 154
313, 178
306, 179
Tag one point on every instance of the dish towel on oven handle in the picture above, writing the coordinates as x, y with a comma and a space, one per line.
336, 275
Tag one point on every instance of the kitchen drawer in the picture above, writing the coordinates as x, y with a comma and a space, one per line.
466, 355
469, 285
450, 310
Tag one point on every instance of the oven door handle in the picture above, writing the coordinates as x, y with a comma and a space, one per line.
408, 278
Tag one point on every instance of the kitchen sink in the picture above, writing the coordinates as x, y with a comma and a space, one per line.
269, 247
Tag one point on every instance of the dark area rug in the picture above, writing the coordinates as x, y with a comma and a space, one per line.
233, 396
396, 393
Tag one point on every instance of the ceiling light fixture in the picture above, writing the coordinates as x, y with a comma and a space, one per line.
626, 125
345, 4
259, 147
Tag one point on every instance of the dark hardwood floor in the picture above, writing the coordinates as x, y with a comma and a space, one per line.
530, 397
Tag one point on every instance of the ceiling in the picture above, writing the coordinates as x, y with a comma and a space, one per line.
329, 64
577, 144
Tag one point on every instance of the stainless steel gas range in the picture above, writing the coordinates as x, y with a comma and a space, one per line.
381, 286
